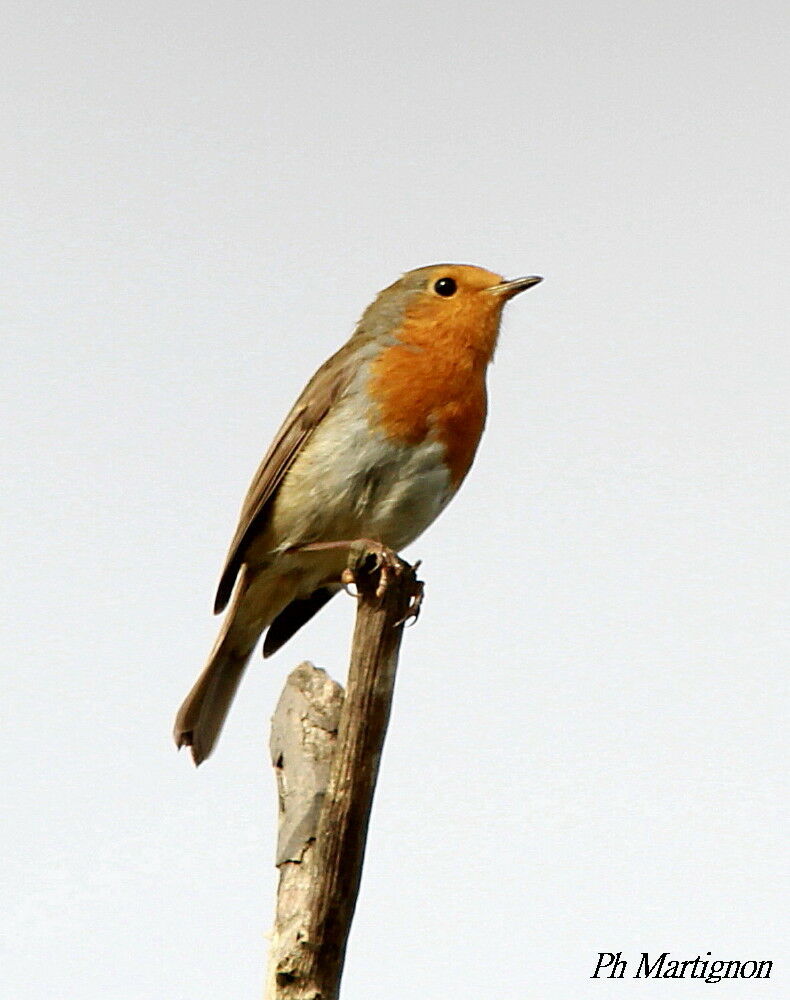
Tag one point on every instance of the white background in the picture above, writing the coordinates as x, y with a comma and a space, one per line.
585, 749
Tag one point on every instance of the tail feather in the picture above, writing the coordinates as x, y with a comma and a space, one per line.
202, 715
257, 600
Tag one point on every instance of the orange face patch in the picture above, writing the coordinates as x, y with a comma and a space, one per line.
432, 383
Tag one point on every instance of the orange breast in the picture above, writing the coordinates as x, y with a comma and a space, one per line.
432, 385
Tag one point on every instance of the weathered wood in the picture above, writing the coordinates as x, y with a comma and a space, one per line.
322, 886
303, 737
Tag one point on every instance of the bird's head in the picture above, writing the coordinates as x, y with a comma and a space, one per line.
457, 306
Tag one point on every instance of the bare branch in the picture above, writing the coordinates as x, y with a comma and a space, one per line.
319, 880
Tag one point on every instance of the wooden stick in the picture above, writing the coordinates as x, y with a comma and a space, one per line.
303, 738
319, 878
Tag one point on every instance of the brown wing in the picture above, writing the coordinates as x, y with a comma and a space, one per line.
331, 379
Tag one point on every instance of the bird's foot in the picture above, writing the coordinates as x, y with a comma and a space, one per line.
413, 610
347, 578
364, 554
369, 556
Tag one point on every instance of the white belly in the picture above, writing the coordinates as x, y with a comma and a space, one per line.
351, 482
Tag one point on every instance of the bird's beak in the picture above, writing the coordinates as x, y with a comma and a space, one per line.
507, 289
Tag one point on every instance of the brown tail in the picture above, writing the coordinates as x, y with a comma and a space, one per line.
202, 715
200, 719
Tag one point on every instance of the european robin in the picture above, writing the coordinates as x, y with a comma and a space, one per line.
374, 448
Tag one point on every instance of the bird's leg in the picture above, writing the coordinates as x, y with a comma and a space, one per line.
384, 560
359, 551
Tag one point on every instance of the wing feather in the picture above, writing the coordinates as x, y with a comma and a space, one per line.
329, 382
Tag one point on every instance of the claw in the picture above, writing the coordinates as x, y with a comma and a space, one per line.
413, 611
384, 580
388, 566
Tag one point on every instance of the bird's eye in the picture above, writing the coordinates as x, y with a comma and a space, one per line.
445, 287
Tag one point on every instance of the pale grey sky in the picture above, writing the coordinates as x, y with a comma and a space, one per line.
585, 750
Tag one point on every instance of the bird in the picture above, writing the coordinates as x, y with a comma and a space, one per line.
374, 448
